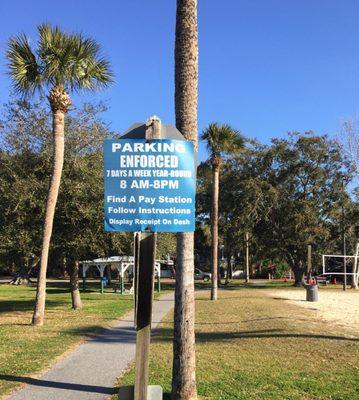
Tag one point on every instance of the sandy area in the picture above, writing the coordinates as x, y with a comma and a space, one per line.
334, 306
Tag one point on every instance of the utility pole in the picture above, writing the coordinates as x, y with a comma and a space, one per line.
345, 261
344, 239
247, 257
309, 263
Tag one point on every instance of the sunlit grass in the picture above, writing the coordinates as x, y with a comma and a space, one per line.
252, 346
25, 350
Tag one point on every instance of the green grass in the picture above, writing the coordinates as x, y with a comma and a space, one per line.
252, 346
26, 350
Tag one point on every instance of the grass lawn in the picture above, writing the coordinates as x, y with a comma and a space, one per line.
25, 350
253, 345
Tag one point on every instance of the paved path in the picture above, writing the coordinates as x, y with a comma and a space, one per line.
90, 371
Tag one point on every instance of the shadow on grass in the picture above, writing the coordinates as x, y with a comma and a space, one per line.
163, 335
127, 334
99, 334
58, 385
258, 285
239, 298
8, 306
286, 298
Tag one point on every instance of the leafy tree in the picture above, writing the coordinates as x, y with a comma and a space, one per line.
61, 63
285, 195
222, 141
25, 169
245, 199
166, 246
23, 176
186, 94
350, 141
307, 171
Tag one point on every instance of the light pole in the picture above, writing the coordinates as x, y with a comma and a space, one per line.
309, 263
247, 257
220, 261
344, 181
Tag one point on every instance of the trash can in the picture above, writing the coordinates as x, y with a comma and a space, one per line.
312, 292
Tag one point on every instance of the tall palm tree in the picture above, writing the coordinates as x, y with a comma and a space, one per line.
186, 94
221, 140
62, 63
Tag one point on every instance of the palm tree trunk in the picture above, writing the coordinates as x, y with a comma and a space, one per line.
58, 126
214, 228
74, 284
186, 93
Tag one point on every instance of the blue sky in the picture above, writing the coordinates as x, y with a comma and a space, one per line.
266, 66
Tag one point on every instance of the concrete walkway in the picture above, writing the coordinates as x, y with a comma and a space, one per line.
90, 371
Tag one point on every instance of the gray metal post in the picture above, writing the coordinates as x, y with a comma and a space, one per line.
136, 268
144, 312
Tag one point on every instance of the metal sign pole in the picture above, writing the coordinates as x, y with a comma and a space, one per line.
145, 275
136, 268
144, 311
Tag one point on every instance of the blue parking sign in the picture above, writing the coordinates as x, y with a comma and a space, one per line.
149, 185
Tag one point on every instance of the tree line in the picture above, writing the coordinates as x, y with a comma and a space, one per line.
286, 194
25, 170
283, 196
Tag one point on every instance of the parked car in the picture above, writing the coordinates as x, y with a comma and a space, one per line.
200, 275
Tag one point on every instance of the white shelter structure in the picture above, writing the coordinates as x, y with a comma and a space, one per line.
123, 264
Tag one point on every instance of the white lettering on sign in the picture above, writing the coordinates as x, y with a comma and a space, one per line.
155, 147
148, 161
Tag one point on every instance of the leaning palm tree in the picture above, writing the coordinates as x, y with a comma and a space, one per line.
186, 93
61, 63
221, 140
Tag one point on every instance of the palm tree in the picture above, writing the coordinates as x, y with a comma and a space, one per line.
221, 140
186, 94
62, 63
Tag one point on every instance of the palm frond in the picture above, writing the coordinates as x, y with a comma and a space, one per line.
72, 60
222, 138
54, 50
61, 59
24, 68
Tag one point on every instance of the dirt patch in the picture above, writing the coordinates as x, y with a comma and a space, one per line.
334, 305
